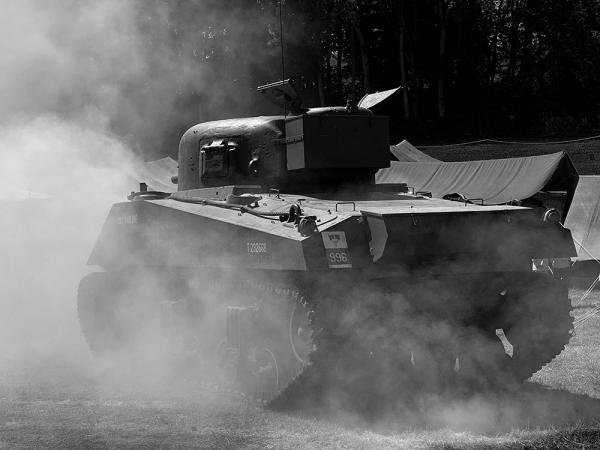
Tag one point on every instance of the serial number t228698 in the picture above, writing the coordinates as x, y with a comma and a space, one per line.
257, 247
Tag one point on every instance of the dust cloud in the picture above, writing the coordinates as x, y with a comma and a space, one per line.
89, 89
87, 94
58, 180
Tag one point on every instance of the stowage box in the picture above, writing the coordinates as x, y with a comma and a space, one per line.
337, 141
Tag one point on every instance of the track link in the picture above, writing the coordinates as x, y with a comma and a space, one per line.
362, 350
282, 328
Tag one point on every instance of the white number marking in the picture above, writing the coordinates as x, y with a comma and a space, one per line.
127, 220
338, 257
257, 247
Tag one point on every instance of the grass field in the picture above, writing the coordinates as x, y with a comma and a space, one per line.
57, 404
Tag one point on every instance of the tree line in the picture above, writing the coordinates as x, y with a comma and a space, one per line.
464, 67
479, 67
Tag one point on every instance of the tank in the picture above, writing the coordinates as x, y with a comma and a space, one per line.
281, 269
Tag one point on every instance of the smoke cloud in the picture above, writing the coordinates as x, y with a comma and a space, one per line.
151, 68
58, 179
89, 90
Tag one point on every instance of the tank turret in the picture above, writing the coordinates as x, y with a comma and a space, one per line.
320, 149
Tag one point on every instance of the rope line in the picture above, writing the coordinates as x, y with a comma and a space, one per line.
581, 245
589, 290
579, 321
497, 141
593, 285
585, 249
596, 309
586, 317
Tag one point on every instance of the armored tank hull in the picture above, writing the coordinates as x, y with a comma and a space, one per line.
280, 268
396, 281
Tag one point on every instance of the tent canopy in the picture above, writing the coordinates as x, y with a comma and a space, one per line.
405, 151
157, 174
583, 218
494, 181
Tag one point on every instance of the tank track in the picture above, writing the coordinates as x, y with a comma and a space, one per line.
278, 295
324, 372
544, 329
355, 364
351, 371
363, 354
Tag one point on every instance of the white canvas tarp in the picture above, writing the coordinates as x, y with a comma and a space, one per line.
583, 218
493, 181
157, 174
405, 151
